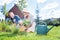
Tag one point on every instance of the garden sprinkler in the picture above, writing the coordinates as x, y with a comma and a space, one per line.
42, 28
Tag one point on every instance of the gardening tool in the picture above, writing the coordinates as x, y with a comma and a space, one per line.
42, 28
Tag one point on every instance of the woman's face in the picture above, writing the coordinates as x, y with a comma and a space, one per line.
11, 14
26, 14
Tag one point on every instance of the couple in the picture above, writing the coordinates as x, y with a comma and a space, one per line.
25, 23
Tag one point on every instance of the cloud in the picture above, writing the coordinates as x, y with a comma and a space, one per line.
50, 5
45, 13
50, 14
56, 14
2, 2
45, 16
41, 1
16, 1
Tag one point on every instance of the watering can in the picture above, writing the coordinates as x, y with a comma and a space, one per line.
42, 28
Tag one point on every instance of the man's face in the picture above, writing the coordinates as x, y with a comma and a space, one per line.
11, 14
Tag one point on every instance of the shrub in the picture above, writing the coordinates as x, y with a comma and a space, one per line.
15, 31
4, 26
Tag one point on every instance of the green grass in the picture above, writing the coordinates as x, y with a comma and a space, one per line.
53, 34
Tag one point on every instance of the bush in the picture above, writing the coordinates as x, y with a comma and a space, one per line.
15, 31
4, 26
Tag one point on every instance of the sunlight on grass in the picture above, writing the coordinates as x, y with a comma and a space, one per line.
53, 34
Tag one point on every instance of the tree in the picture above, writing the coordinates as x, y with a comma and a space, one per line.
21, 4
55, 21
3, 10
52, 21
48, 21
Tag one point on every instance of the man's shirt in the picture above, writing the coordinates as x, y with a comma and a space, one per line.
16, 19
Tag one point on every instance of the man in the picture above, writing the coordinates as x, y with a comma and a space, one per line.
15, 18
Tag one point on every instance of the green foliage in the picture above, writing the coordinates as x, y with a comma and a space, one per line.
55, 21
21, 4
52, 21
58, 19
8, 28
4, 7
15, 30
4, 26
9, 22
4, 10
26, 22
6, 14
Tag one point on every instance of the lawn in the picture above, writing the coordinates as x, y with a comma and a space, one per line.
53, 34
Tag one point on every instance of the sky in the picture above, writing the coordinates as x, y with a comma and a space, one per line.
47, 8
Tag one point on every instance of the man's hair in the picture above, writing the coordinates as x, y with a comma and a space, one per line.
10, 12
